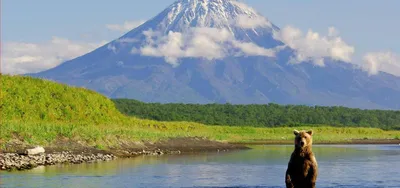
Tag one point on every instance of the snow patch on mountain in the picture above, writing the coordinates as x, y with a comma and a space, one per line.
184, 14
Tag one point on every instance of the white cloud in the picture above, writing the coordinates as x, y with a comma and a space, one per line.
382, 61
113, 45
21, 58
313, 47
248, 22
218, 35
112, 48
127, 40
207, 43
175, 45
126, 26
333, 32
251, 49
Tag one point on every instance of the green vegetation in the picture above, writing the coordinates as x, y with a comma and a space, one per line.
38, 112
29, 99
111, 135
271, 115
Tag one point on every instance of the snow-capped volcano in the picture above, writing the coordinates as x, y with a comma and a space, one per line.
229, 14
218, 51
210, 29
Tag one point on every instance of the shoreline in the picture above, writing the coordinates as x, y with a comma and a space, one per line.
73, 154
344, 142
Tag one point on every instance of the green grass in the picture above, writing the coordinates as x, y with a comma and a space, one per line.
109, 135
29, 99
39, 111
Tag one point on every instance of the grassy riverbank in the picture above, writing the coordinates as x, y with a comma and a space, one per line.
39, 112
112, 135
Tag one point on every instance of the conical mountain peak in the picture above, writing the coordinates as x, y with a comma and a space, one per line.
229, 14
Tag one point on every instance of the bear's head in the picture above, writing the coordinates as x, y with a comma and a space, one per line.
303, 138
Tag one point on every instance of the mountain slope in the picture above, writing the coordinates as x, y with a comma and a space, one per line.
207, 51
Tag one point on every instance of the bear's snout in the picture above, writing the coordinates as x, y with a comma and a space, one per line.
301, 143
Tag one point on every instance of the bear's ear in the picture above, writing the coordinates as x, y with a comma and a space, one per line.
296, 132
310, 132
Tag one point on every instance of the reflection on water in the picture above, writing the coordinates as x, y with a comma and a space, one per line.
264, 166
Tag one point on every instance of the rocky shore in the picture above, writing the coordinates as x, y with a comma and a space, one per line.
15, 161
23, 157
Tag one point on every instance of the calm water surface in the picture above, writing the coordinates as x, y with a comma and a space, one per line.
264, 166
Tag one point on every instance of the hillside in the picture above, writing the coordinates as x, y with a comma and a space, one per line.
270, 115
29, 99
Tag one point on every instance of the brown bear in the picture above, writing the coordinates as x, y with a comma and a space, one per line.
302, 169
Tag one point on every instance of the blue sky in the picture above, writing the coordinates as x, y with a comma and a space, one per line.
368, 25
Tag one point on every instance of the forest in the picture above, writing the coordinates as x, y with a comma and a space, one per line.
257, 115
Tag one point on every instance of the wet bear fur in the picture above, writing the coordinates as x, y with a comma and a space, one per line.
302, 170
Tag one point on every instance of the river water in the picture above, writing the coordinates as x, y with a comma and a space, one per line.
342, 166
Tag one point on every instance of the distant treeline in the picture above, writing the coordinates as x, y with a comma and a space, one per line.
268, 115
